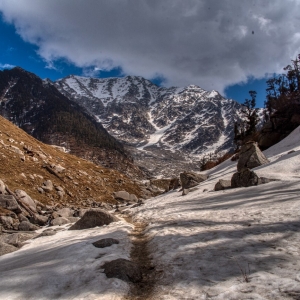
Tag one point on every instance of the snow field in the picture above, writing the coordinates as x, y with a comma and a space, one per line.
233, 244
65, 266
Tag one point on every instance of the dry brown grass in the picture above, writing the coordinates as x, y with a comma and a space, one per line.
28, 175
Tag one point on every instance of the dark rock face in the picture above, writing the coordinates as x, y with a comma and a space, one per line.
223, 185
190, 179
250, 157
245, 178
123, 269
105, 243
93, 218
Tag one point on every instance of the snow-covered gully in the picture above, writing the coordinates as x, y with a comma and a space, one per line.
141, 257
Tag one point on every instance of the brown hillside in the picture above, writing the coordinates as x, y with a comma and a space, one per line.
26, 163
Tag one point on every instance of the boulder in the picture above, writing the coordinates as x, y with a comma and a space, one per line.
18, 239
27, 226
7, 222
80, 212
39, 219
65, 212
244, 178
5, 248
9, 202
93, 218
122, 195
174, 183
21, 218
223, 185
191, 179
133, 198
26, 200
250, 157
166, 184
46, 233
60, 221
47, 186
2, 187
58, 168
123, 269
163, 184
103, 243
73, 219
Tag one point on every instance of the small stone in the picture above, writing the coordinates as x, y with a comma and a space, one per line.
123, 269
103, 243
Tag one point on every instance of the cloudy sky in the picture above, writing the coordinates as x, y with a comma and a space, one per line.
228, 45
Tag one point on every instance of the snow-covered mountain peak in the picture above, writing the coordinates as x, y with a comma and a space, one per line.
141, 113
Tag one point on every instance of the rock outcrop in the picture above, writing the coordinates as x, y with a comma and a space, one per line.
245, 178
191, 179
222, 185
250, 157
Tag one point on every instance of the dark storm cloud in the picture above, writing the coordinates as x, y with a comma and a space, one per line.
210, 43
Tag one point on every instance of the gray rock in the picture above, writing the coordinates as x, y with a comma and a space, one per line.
9, 202
39, 219
244, 179
58, 168
47, 186
133, 198
18, 239
250, 157
185, 192
73, 219
26, 200
21, 218
105, 243
60, 221
5, 248
7, 222
2, 187
65, 212
27, 226
80, 212
191, 179
93, 218
46, 233
122, 195
263, 180
223, 185
40, 190
123, 269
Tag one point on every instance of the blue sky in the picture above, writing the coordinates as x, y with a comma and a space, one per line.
213, 44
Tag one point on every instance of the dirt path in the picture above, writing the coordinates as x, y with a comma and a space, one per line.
141, 256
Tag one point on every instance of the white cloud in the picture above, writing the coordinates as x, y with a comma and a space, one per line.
208, 43
6, 66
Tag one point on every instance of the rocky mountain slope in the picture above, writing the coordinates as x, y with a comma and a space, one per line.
142, 114
42, 111
26, 163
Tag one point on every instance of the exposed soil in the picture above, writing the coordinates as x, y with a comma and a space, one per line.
141, 256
